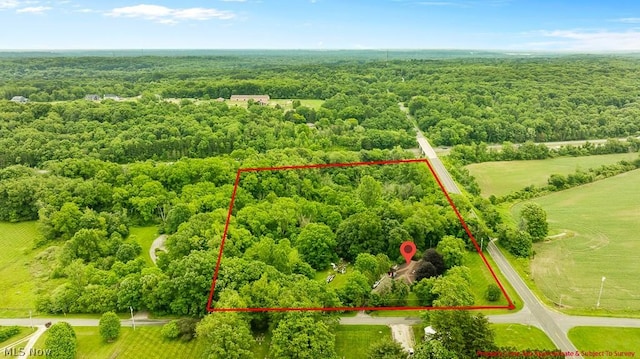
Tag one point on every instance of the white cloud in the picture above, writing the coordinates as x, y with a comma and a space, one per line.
9, 4
84, 11
33, 10
581, 40
165, 15
629, 20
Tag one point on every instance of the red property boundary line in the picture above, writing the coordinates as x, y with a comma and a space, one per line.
352, 164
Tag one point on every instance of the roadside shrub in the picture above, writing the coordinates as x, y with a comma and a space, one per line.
170, 330
8, 332
493, 293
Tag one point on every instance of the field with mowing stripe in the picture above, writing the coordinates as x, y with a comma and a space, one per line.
353, 341
597, 226
521, 337
144, 342
500, 178
606, 339
16, 280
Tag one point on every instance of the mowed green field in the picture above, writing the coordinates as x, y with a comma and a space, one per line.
521, 337
144, 236
353, 341
481, 277
601, 224
613, 340
501, 178
16, 280
144, 342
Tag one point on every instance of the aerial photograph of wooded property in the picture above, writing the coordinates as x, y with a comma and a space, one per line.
319, 179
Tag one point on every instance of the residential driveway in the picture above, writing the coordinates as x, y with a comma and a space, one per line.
158, 243
403, 334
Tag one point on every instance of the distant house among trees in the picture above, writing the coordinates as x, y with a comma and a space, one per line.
111, 97
261, 99
19, 99
92, 97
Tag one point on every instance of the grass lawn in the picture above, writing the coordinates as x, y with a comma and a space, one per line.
500, 178
481, 277
261, 346
16, 279
339, 281
144, 236
600, 222
606, 339
144, 342
287, 104
24, 331
521, 337
353, 341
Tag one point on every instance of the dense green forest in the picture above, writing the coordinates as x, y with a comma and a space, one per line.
167, 154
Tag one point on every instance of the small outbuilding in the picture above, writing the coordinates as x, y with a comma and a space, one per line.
19, 99
92, 97
429, 332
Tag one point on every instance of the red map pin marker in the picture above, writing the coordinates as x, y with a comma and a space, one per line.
407, 249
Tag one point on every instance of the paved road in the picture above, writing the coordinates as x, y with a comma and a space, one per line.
546, 319
428, 151
552, 145
140, 319
158, 243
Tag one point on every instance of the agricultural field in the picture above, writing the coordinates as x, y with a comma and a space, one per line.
606, 339
16, 253
521, 337
503, 177
595, 227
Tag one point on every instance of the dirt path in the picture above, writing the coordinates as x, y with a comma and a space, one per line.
158, 243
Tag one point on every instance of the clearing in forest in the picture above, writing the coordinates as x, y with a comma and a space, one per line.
239, 272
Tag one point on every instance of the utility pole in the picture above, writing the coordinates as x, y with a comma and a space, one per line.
30, 320
132, 320
600, 295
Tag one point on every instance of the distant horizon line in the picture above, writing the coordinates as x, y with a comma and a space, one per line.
506, 51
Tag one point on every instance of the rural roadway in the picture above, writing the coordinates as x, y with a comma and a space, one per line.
556, 325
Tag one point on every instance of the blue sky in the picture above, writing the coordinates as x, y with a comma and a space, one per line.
581, 25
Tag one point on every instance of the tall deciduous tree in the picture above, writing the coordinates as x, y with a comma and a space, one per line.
226, 336
534, 221
452, 250
386, 349
301, 336
61, 341
369, 191
360, 233
109, 326
317, 243
462, 333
